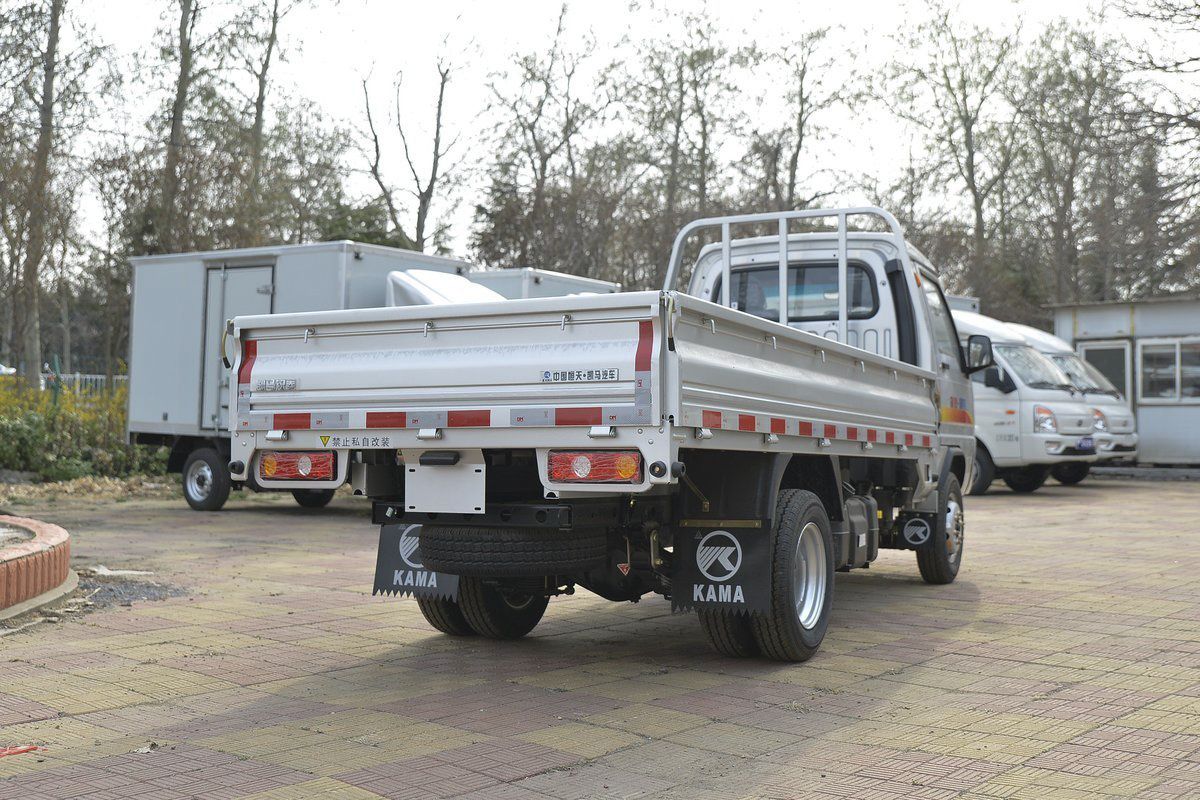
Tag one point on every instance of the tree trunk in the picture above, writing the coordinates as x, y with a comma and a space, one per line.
35, 252
253, 233
169, 239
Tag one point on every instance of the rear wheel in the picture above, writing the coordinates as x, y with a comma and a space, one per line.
313, 498
206, 481
985, 470
729, 632
939, 564
497, 613
445, 615
801, 579
1070, 473
1027, 479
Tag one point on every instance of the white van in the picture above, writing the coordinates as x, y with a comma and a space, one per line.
1115, 418
1028, 416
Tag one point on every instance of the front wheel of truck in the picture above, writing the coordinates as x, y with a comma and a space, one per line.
445, 615
1027, 479
939, 563
496, 612
801, 579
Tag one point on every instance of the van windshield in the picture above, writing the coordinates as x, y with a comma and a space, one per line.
1033, 368
1083, 375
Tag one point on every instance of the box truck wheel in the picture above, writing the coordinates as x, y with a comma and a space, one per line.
729, 632
801, 579
1070, 473
1027, 479
313, 498
939, 564
206, 481
985, 470
496, 613
445, 615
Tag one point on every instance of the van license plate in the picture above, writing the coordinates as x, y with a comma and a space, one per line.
1085, 443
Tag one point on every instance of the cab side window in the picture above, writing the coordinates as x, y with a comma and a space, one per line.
943, 327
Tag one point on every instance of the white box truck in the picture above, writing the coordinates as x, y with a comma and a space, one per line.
178, 386
802, 404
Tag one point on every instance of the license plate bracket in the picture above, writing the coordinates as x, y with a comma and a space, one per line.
457, 488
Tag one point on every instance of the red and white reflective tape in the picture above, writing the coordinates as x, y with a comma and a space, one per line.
790, 426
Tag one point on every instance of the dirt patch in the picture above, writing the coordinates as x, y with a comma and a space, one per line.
107, 591
12, 496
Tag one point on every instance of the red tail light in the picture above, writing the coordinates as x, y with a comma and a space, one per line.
595, 466
279, 465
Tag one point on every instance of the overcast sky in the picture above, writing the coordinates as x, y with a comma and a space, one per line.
329, 48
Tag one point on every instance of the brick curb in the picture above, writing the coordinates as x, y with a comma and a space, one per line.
33, 568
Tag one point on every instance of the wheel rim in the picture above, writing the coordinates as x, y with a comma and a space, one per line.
954, 530
199, 480
808, 577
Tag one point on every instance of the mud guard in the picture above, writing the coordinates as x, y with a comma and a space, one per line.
921, 530
399, 570
727, 568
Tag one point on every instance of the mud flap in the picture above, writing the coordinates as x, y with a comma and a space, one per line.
720, 568
920, 531
398, 567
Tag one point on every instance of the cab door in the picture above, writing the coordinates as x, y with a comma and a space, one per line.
953, 390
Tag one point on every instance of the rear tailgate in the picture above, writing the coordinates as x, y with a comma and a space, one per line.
359, 375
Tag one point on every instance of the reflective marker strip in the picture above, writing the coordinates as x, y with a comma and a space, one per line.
645, 348
579, 416
753, 423
291, 422
478, 418
387, 419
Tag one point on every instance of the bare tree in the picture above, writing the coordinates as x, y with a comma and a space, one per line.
954, 84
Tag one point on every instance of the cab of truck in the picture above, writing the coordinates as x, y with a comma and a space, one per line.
1115, 419
1029, 417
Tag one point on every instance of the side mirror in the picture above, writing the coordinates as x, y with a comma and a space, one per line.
978, 353
997, 378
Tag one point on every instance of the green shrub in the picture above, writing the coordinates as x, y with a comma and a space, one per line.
80, 435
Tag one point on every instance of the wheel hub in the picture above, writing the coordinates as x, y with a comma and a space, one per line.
200, 480
955, 524
808, 579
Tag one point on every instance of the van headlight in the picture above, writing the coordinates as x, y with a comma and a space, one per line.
1043, 420
1099, 421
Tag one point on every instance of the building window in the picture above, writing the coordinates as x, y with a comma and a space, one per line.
1170, 370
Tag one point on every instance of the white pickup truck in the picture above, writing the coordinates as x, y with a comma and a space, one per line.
717, 447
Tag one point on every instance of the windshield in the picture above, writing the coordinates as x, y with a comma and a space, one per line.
1083, 375
1033, 368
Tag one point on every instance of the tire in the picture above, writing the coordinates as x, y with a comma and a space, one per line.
1070, 473
939, 564
985, 471
313, 498
1026, 479
511, 552
206, 481
801, 579
729, 632
445, 615
495, 614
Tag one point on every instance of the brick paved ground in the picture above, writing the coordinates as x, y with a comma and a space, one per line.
1064, 663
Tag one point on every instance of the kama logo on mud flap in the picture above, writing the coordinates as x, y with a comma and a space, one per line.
916, 531
408, 547
719, 556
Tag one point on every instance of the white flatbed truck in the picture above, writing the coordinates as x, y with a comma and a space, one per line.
719, 447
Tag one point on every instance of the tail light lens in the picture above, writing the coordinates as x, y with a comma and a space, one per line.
595, 466
291, 465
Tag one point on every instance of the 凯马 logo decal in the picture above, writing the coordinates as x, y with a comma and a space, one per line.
408, 547
719, 556
917, 531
